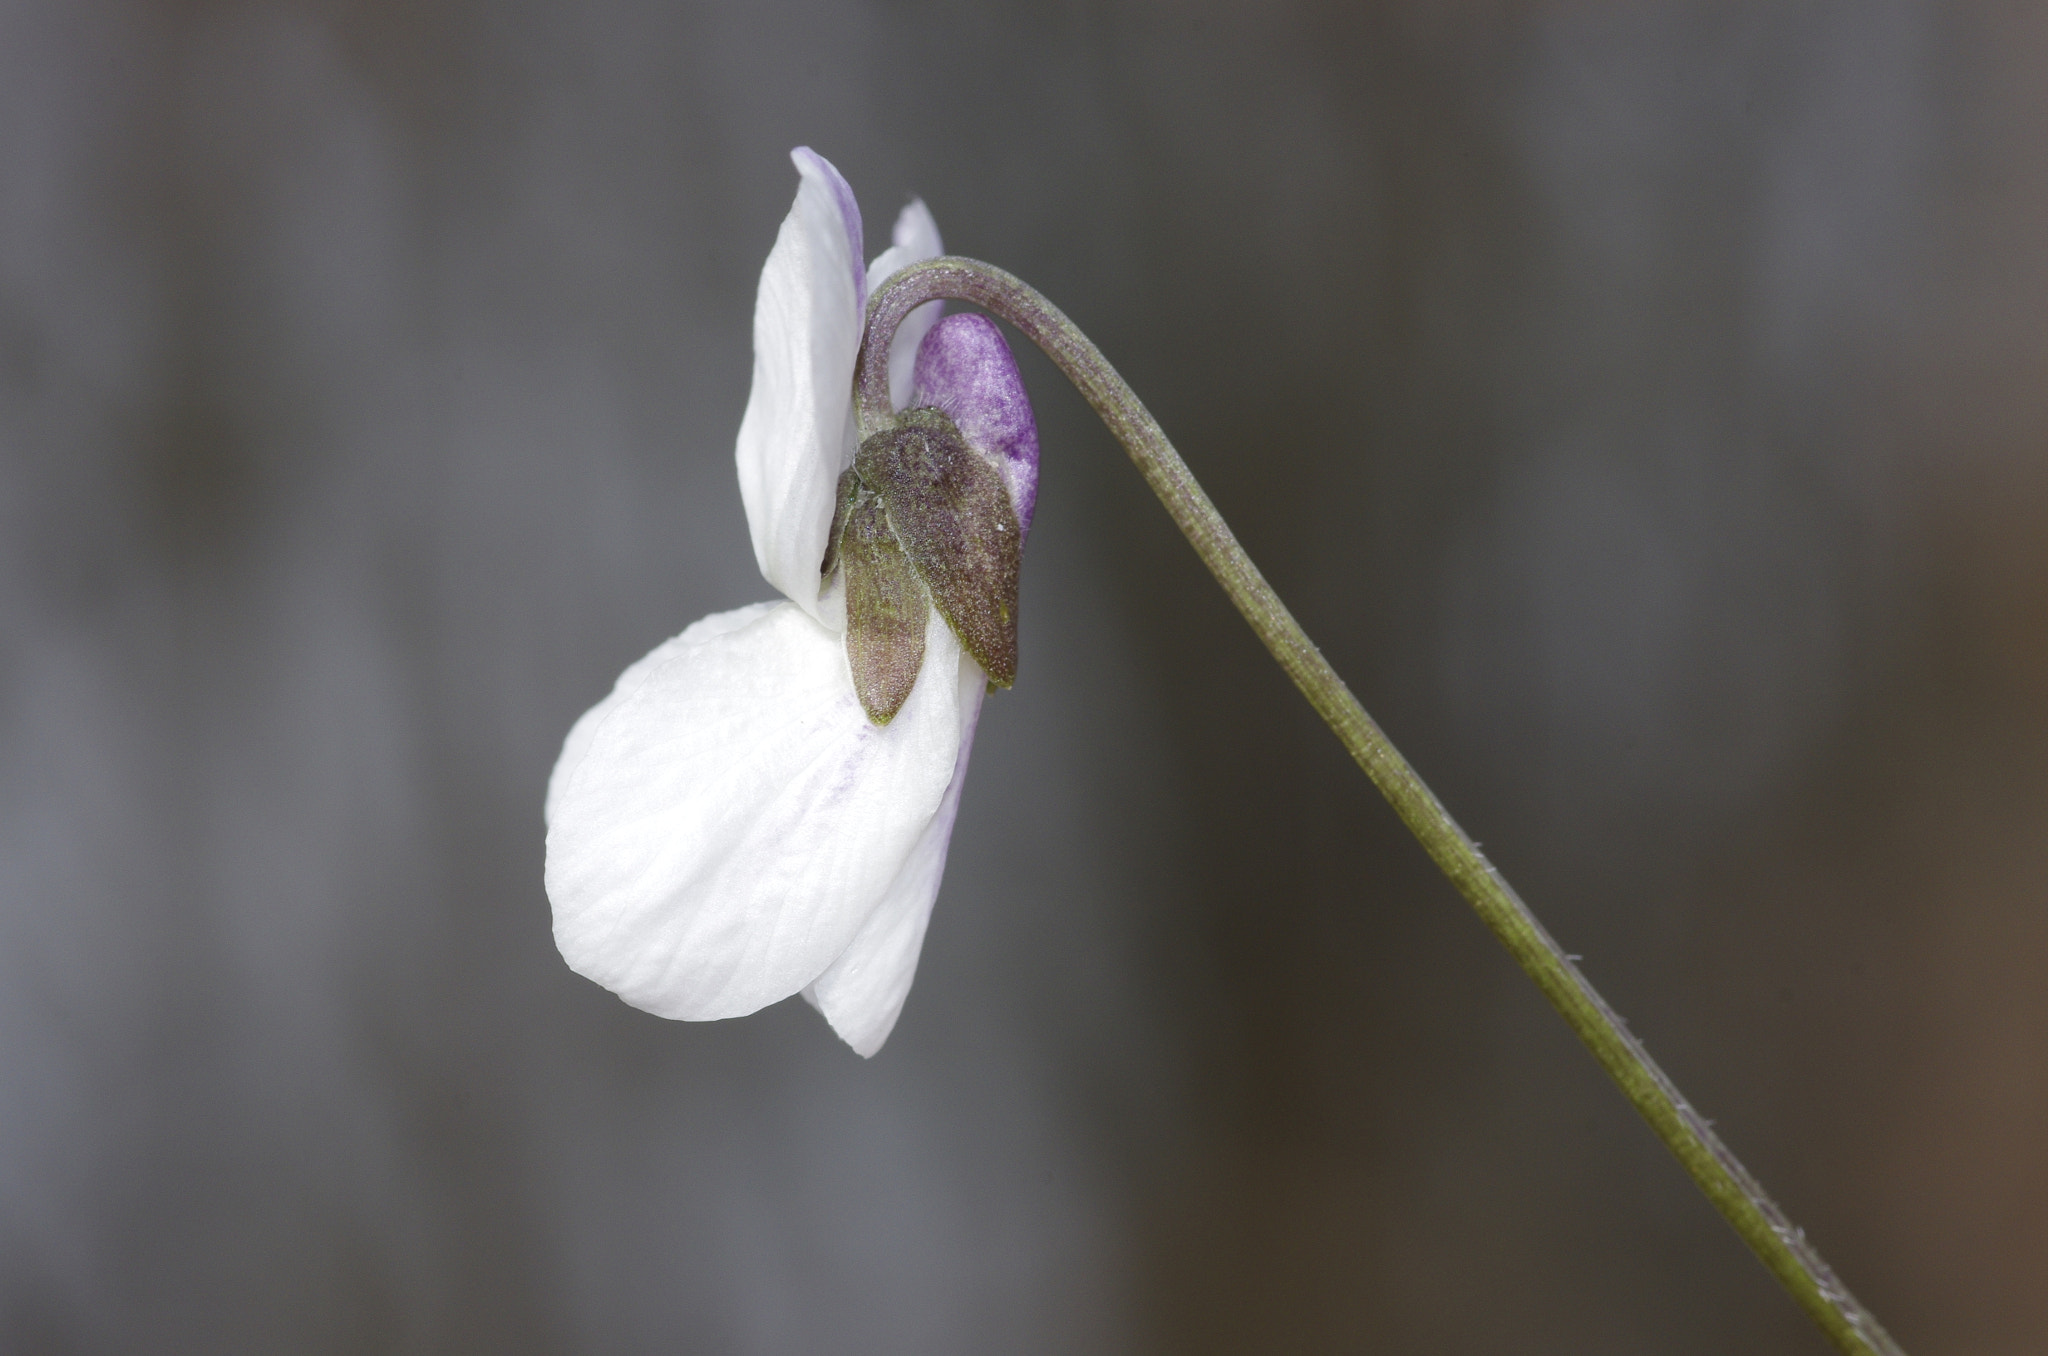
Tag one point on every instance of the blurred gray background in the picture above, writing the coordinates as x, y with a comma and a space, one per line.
1644, 405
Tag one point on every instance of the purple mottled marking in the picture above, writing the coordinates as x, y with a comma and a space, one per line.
965, 368
849, 213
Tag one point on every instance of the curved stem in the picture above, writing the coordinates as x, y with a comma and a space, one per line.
1733, 1191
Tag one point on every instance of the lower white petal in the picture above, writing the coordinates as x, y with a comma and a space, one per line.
862, 992
721, 827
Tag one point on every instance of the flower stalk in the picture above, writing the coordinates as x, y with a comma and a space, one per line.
1733, 1191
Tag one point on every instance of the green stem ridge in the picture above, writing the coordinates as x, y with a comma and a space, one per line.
1727, 1184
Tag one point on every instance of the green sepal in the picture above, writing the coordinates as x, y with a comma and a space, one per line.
951, 511
885, 609
850, 492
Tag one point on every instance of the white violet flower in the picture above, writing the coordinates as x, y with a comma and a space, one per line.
762, 805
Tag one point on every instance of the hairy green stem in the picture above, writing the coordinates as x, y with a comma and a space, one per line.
1733, 1191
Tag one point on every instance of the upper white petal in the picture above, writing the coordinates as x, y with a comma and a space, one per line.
722, 826
797, 434
915, 239
862, 992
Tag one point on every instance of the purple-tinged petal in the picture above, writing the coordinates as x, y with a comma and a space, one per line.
965, 368
797, 434
809, 162
915, 240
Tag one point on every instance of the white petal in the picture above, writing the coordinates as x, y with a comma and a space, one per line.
585, 729
723, 824
915, 240
862, 993
797, 434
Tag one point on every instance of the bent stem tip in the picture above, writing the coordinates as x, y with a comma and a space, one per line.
1731, 1188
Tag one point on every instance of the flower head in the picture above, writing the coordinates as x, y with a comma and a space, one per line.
762, 806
